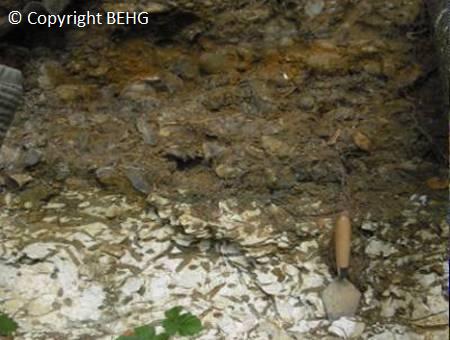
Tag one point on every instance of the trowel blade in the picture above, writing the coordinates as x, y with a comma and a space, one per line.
341, 298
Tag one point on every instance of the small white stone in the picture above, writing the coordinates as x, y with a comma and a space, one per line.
54, 205
306, 326
379, 248
269, 329
368, 296
312, 280
265, 278
190, 278
413, 197
158, 200
66, 219
84, 204
9, 199
38, 250
50, 219
423, 200
132, 285
183, 240
314, 8
86, 240
395, 334
94, 229
389, 307
274, 288
308, 246
157, 288
86, 305
426, 280
347, 328
288, 310
437, 304
369, 226
204, 245
113, 211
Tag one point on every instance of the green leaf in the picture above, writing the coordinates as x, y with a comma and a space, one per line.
129, 337
173, 313
184, 324
170, 325
7, 325
190, 325
145, 332
162, 336
176, 322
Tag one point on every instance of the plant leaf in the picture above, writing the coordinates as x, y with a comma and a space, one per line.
7, 325
162, 336
170, 325
173, 313
184, 324
145, 332
129, 337
190, 325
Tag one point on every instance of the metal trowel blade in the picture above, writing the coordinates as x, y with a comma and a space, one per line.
341, 298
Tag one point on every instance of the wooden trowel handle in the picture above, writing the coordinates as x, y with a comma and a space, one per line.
343, 234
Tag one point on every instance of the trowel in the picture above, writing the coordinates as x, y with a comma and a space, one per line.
341, 297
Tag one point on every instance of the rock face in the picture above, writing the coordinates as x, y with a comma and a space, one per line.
10, 97
440, 15
199, 160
